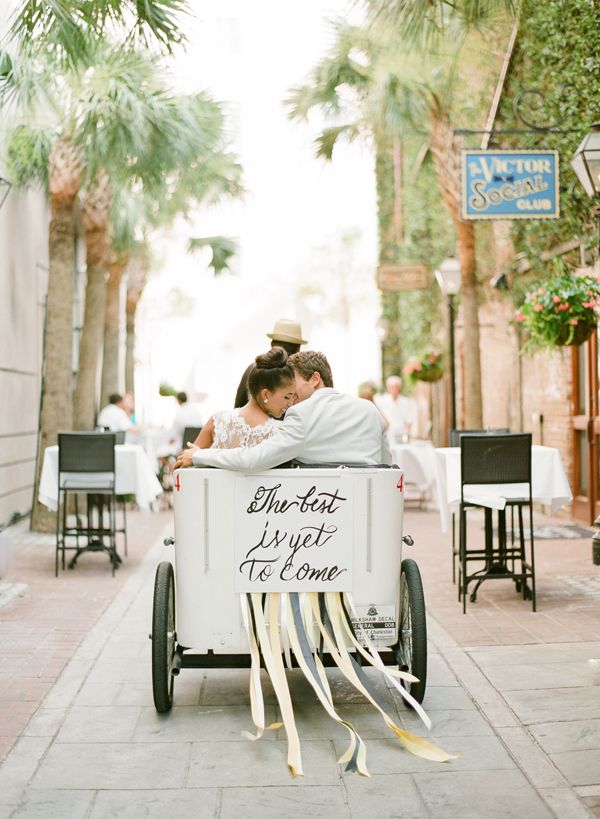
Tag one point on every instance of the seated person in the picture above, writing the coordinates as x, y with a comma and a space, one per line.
271, 389
186, 415
323, 426
114, 416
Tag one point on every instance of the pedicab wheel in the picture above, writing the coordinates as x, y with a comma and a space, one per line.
411, 651
163, 637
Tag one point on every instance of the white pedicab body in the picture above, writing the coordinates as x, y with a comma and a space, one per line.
284, 530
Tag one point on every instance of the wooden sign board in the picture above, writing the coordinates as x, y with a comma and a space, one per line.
398, 277
295, 534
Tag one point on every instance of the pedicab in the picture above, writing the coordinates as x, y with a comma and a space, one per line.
317, 529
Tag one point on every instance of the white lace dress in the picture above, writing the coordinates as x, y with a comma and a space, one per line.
231, 430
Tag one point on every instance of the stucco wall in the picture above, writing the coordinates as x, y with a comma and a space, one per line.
23, 279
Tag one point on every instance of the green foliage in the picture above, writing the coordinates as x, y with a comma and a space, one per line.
558, 52
166, 389
559, 311
28, 152
222, 247
68, 28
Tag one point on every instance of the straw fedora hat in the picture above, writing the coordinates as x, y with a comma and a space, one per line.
287, 330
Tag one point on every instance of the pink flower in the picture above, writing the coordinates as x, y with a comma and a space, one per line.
533, 297
519, 316
555, 299
538, 308
417, 368
574, 322
541, 291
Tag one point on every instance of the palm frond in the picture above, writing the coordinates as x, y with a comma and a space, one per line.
329, 137
222, 247
28, 154
69, 27
423, 21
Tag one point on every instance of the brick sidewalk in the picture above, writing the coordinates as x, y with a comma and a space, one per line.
44, 623
535, 676
568, 589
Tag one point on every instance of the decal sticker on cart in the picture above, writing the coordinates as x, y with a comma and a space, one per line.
379, 622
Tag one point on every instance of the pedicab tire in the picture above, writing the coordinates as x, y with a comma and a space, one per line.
415, 640
163, 637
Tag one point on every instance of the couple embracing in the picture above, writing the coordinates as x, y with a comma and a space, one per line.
320, 424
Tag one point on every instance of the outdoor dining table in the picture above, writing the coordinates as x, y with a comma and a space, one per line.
549, 484
134, 475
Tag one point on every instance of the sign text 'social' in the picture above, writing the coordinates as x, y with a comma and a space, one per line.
509, 185
289, 550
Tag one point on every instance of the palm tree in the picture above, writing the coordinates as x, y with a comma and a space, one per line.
372, 111
379, 87
83, 133
188, 167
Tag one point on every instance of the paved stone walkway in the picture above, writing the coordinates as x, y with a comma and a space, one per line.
524, 718
535, 676
43, 618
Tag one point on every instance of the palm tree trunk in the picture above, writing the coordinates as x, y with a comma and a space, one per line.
111, 372
471, 371
445, 153
56, 411
137, 277
85, 405
385, 176
95, 208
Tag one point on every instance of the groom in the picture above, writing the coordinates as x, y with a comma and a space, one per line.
323, 426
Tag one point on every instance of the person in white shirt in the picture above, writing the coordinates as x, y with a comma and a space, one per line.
113, 416
323, 426
399, 410
186, 415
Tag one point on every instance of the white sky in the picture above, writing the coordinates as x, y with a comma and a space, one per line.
306, 228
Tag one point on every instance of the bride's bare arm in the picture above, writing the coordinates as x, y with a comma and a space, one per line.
206, 435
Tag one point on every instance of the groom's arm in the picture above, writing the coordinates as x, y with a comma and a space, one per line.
286, 443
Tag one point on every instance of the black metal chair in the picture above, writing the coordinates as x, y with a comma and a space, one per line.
189, 434
86, 465
121, 499
496, 459
455, 436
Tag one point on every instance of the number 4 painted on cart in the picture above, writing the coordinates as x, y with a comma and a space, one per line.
399, 485
177, 484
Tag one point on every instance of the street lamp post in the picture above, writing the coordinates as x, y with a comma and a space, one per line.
448, 278
586, 164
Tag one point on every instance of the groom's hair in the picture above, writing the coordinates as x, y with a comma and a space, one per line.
309, 362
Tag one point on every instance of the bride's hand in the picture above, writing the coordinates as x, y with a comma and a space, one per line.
184, 459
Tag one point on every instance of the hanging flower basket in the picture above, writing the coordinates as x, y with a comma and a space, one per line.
429, 367
562, 312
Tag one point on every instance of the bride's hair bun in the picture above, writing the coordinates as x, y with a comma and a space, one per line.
271, 370
274, 358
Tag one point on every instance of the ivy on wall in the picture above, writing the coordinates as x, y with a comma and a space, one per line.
557, 52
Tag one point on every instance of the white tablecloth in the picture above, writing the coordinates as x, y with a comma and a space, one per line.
133, 472
549, 484
417, 461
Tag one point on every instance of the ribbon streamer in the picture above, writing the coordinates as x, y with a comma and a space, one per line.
292, 620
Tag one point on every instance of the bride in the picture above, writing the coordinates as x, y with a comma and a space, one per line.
271, 391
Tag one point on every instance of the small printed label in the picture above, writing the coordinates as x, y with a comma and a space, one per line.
378, 622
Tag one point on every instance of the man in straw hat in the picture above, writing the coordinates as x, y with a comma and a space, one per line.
287, 334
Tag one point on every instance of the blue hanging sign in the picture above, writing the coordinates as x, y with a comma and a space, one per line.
509, 185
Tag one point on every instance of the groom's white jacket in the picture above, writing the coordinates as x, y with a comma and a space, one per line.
329, 427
